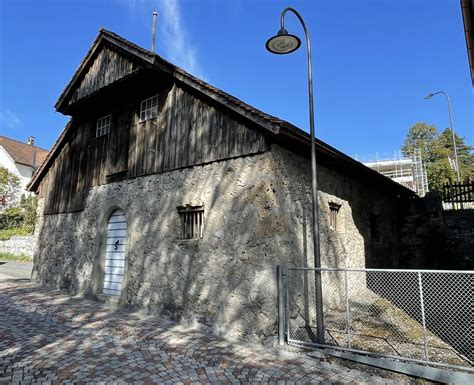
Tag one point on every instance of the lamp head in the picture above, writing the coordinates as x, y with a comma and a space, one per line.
429, 96
283, 43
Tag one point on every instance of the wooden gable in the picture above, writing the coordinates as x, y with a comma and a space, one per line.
108, 66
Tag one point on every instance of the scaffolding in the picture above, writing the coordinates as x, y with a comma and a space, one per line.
408, 171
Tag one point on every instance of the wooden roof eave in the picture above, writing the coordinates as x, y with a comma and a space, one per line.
272, 128
296, 134
36, 178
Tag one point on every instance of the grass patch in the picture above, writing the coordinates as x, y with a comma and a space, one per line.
8, 233
15, 257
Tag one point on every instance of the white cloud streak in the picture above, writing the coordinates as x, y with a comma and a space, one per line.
9, 119
172, 41
175, 39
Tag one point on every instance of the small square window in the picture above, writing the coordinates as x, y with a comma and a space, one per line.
103, 125
192, 221
333, 214
149, 108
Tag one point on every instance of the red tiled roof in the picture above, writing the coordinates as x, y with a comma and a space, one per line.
23, 153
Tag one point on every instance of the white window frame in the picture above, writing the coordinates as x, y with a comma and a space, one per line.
103, 125
149, 108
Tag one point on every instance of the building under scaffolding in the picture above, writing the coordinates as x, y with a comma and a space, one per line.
408, 171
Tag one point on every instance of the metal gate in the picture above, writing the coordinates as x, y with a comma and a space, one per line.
423, 316
115, 253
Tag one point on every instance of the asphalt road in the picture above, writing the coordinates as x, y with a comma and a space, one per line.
15, 270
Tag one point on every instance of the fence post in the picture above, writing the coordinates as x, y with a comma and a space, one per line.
348, 314
281, 306
420, 285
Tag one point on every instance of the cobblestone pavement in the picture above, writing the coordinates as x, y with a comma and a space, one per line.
49, 337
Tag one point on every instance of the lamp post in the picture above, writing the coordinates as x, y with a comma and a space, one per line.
451, 126
284, 43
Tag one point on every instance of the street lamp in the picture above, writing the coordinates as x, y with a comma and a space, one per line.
451, 125
284, 43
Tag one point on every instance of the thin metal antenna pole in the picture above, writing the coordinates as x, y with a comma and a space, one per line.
154, 32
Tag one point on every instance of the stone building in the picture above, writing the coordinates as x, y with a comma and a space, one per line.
167, 194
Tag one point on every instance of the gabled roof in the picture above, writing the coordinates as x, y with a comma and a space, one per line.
280, 129
23, 153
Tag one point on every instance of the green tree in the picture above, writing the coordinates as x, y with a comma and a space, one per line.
28, 207
436, 149
420, 136
9, 187
444, 145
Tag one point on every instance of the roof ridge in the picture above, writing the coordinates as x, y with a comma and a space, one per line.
26, 144
262, 114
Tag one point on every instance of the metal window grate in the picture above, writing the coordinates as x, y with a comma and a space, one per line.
192, 222
149, 108
103, 125
333, 213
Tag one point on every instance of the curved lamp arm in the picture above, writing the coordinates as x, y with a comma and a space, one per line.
451, 126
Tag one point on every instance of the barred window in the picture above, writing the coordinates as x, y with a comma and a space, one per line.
333, 214
192, 221
149, 108
103, 125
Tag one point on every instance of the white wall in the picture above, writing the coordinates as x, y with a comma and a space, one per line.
23, 172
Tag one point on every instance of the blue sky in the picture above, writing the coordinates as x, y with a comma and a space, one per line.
373, 61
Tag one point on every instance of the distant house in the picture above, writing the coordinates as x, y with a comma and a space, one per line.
22, 159
166, 193
408, 171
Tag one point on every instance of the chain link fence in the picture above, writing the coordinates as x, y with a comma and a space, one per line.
417, 315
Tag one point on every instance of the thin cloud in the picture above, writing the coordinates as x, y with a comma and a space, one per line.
172, 39
9, 119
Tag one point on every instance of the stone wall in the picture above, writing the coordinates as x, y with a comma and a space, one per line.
17, 245
433, 238
257, 215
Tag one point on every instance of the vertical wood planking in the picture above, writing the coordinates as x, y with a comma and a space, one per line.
187, 131
108, 67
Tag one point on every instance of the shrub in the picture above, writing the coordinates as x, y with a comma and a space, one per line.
11, 218
8, 233
19, 220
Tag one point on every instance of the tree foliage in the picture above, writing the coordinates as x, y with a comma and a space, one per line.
18, 214
436, 149
9, 187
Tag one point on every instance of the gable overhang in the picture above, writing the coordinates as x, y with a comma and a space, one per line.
146, 60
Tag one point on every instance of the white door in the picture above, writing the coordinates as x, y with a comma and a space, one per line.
115, 253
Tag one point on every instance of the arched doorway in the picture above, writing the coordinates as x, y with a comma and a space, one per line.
115, 253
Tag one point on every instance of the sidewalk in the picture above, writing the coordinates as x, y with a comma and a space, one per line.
12, 269
49, 337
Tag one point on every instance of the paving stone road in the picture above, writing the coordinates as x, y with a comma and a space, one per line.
48, 337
